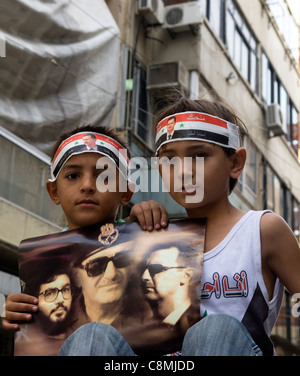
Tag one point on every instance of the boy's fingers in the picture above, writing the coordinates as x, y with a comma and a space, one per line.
146, 216
21, 298
150, 215
137, 213
159, 215
14, 317
17, 307
156, 213
164, 217
6, 325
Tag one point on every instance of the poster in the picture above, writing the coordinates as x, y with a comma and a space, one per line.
145, 284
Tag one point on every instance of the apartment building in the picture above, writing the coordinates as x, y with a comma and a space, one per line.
246, 52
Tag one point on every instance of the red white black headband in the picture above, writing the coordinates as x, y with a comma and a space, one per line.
197, 126
103, 145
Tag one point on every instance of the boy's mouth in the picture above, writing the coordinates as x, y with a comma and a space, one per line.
189, 190
87, 202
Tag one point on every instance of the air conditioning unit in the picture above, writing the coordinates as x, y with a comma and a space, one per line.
184, 16
164, 75
275, 122
152, 10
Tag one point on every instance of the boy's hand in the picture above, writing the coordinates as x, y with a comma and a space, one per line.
17, 309
149, 214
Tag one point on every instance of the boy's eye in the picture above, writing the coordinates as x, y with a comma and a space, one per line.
72, 176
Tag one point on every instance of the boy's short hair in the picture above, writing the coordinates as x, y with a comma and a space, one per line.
88, 129
178, 103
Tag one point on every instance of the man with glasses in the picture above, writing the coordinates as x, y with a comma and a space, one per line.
55, 300
168, 276
166, 282
54, 320
104, 276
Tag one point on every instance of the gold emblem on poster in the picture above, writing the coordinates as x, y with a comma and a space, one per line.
108, 234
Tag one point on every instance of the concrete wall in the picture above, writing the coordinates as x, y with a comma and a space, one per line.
17, 224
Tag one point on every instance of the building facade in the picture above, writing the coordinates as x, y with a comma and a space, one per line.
245, 52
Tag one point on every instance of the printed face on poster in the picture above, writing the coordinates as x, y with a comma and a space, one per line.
145, 284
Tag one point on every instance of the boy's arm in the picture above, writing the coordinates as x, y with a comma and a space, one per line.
17, 309
280, 251
149, 214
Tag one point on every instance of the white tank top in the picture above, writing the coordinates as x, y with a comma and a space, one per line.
232, 282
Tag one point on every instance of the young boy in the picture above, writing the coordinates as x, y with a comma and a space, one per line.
248, 257
73, 185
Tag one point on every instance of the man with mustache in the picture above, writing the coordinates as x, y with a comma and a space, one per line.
55, 301
54, 320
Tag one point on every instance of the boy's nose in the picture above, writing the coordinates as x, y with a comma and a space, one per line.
187, 168
88, 184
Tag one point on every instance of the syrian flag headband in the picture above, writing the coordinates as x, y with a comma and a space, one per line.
103, 145
197, 126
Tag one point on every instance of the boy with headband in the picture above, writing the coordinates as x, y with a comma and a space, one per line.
79, 184
248, 257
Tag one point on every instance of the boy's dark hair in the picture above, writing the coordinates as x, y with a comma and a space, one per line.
178, 102
91, 128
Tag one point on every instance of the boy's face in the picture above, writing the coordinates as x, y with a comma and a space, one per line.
216, 175
76, 191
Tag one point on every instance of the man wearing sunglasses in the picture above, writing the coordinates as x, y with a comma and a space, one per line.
166, 280
167, 277
104, 275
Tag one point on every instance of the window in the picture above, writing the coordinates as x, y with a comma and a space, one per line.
139, 111
248, 181
294, 129
23, 182
286, 24
274, 92
269, 189
242, 45
278, 196
236, 35
214, 11
251, 170
296, 219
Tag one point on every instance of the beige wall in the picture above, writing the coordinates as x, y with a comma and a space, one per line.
16, 224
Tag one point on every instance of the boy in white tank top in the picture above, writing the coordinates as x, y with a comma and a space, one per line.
249, 257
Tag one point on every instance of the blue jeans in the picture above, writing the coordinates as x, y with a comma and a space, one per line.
215, 335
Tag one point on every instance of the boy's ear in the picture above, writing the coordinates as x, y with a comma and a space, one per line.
52, 191
238, 162
126, 196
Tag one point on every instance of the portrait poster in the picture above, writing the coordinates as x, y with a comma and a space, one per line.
145, 284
